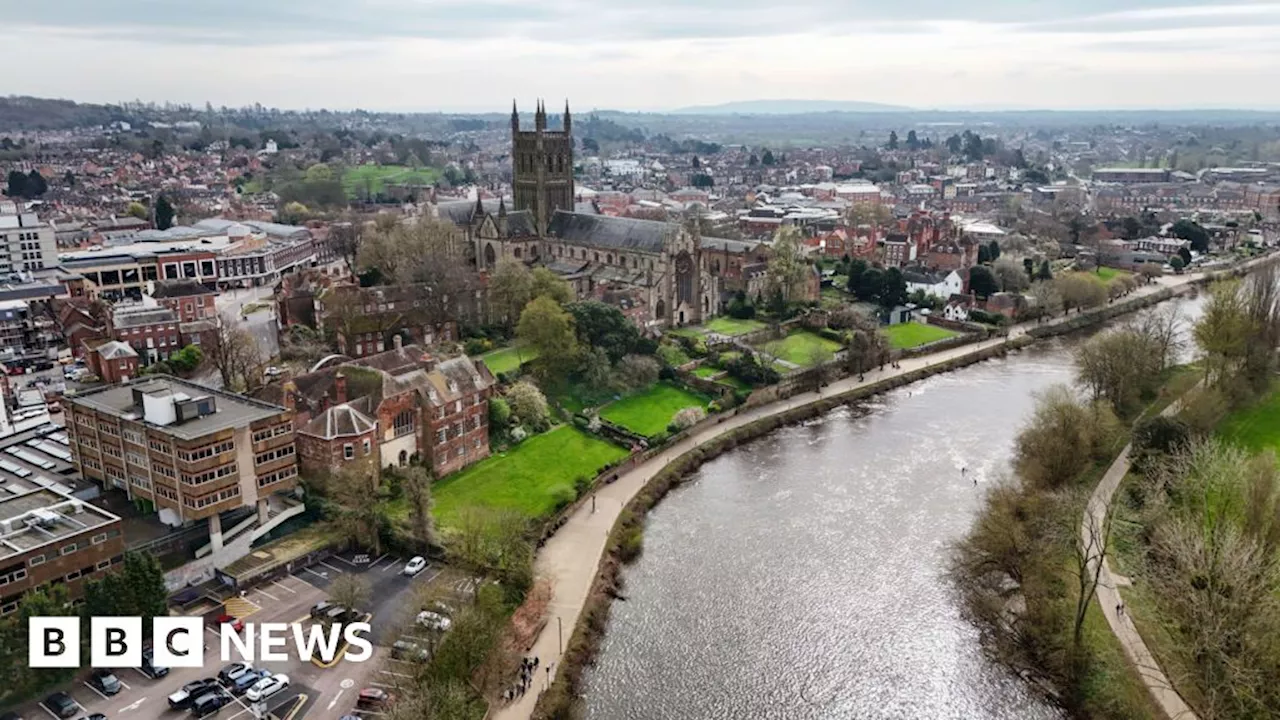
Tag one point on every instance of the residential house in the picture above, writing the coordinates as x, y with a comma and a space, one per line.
958, 307
111, 360
936, 284
191, 300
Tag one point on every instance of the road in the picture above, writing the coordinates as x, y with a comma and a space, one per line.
314, 693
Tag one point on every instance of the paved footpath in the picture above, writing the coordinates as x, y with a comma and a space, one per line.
572, 556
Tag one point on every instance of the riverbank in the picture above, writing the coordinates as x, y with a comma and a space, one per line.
583, 558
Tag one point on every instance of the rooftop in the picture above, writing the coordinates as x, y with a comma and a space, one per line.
232, 410
44, 516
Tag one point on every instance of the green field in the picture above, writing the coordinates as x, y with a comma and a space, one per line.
1107, 274
529, 478
505, 360
914, 334
733, 327
1256, 427
648, 413
375, 178
707, 371
799, 347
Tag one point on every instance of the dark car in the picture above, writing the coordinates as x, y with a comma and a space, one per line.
209, 703
11, 716
62, 705
373, 699
319, 609
96, 716
246, 681
182, 699
105, 682
233, 671
149, 667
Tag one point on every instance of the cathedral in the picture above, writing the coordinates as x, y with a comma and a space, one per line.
661, 274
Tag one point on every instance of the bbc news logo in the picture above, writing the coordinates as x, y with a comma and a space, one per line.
178, 642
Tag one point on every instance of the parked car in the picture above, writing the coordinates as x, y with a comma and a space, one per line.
434, 621
405, 650
319, 609
415, 565
266, 687
441, 608
236, 623
16, 716
105, 682
273, 371
233, 671
182, 699
62, 705
95, 716
374, 699
246, 681
149, 667
210, 703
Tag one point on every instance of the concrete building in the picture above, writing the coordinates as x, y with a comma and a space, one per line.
26, 243
189, 451
48, 537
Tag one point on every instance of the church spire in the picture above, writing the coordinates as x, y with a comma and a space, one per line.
515, 117
479, 212
502, 207
568, 128
540, 117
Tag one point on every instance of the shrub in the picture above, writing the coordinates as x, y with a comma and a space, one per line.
659, 439
830, 334
477, 346
631, 544
518, 434
581, 422
582, 484
637, 371
713, 407
563, 497
529, 405
667, 373
688, 417
1157, 437
499, 412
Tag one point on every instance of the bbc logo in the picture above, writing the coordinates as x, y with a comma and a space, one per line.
115, 642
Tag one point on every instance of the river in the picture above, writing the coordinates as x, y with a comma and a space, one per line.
801, 577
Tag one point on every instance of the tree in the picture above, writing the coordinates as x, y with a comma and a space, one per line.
528, 404
1222, 333
416, 481
1045, 272
138, 210
893, 140
235, 353
1011, 276
604, 327
867, 347
361, 514
487, 542
637, 371
345, 238
981, 282
984, 254
857, 269
893, 289
1062, 438
349, 591
1120, 366
1185, 256
164, 213
36, 185
870, 284
702, 180
913, 142
993, 250
1080, 290
1045, 298
767, 158
545, 283
1029, 266
1191, 230
187, 359
17, 184
510, 289
868, 214
787, 265
547, 329
427, 252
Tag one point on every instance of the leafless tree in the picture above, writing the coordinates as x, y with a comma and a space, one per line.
1090, 550
416, 482
235, 353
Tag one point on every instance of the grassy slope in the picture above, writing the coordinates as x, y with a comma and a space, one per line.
529, 478
1256, 427
377, 176
914, 334
648, 413
504, 360
796, 347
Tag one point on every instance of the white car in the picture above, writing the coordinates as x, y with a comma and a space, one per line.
415, 565
266, 687
273, 371
434, 621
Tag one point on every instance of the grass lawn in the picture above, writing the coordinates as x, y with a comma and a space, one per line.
733, 382
1108, 274
914, 334
733, 327
375, 178
649, 412
530, 478
504, 360
707, 371
799, 347
1256, 427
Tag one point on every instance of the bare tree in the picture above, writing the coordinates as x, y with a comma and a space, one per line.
428, 253
235, 353
345, 238
350, 591
1090, 552
416, 482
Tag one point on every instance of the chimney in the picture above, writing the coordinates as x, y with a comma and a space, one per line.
340, 388
291, 396
427, 362
397, 341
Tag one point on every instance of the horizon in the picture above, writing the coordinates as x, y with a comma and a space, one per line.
455, 57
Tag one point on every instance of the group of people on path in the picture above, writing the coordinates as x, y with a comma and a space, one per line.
527, 668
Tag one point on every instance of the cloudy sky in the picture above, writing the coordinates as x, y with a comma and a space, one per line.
473, 55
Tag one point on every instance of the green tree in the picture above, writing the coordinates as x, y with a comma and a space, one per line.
36, 185
767, 158
499, 414
1177, 263
984, 254
1045, 272
547, 329
1191, 230
893, 140
510, 289
545, 283
1029, 266
993, 250
17, 184
138, 210
982, 283
164, 213
416, 481
602, 326
187, 359
787, 265
893, 289
529, 405
913, 142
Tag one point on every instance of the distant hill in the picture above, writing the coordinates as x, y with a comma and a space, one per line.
788, 107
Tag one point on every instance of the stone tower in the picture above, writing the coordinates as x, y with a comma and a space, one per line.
542, 166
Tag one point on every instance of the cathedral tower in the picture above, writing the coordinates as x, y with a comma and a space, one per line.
542, 166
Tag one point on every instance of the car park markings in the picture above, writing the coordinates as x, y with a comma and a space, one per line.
433, 577
337, 570
391, 565
133, 706
52, 714
313, 572
374, 564
96, 691
264, 592
284, 587
395, 674
342, 559
123, 684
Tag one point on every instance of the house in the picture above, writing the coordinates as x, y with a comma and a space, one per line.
940, 285
191, 300
1007, 304
392, 406
899, 314
152, 331
112, 361
958, 307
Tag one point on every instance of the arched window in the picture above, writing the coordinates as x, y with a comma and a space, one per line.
517, 252
404, 457
661, 310
595, 257
489, 256
609, 258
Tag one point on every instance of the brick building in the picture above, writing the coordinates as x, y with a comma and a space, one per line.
191, 300
112, 361
151, 331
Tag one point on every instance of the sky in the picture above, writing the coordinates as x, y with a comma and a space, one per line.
477, 55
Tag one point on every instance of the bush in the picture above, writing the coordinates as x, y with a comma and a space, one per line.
713, 407
659, 439
499, 413
518, 434
563, 497
581, 484
631, 544
694, 346
581, 422
687, 418
1157, 437
477, 346
637, 371
667, 373
529, 405
749, 370
830, 334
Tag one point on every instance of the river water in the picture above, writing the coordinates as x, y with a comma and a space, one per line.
801, 577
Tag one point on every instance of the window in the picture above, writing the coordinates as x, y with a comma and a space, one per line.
348, 451
98, 539
67, 549
439, 436
368, 446
133, 436
35, 560
404, 423
103, 565
461, 449
276, 454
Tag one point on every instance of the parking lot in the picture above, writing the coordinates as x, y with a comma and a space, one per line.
314, 693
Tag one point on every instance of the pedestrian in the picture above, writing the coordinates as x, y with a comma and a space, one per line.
535, 661
1120, 609
593, 503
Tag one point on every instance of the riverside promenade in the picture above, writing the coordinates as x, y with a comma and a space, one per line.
571, 557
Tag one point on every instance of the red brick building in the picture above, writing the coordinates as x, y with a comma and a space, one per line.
112, 361
191, 300
151, 331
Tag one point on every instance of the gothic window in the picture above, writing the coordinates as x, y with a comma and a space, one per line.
517, 253
684, 279
661, 310
489, 256
609, 258
549, 165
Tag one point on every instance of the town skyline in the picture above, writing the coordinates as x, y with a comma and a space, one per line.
451, 57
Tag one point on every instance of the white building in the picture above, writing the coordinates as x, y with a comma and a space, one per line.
25, 243
935, 284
